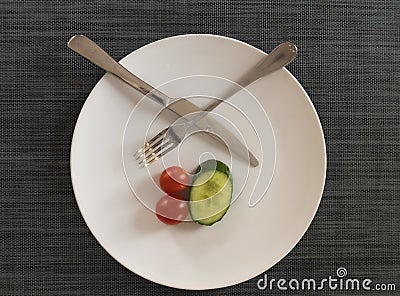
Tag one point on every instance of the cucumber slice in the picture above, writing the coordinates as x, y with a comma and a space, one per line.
211, 192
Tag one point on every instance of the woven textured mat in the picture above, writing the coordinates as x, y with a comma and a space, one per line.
349, 63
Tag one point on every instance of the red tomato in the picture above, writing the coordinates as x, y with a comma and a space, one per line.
174, 179
171, 209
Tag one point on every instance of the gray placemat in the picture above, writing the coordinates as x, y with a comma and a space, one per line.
349, 63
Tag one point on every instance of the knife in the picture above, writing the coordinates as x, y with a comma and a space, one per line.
278, 58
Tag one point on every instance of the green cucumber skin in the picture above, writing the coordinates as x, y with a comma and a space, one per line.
212, 223
210, 165
206, 166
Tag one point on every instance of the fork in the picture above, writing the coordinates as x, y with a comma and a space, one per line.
164, 142
170, 137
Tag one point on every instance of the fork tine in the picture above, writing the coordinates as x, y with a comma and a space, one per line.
157, 151
146, 147
154, 148
150, 148
148, 162
165, 147
150, 143
159, 135
159, 145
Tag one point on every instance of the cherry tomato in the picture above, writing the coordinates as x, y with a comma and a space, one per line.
171, 209
174, 179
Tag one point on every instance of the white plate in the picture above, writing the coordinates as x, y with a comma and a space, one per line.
248, 240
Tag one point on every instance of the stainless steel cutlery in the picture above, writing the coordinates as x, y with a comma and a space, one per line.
170, 137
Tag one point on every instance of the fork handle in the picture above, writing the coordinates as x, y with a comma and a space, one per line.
94, 53
278, 58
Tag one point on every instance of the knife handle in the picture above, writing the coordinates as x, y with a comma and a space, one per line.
94, 53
